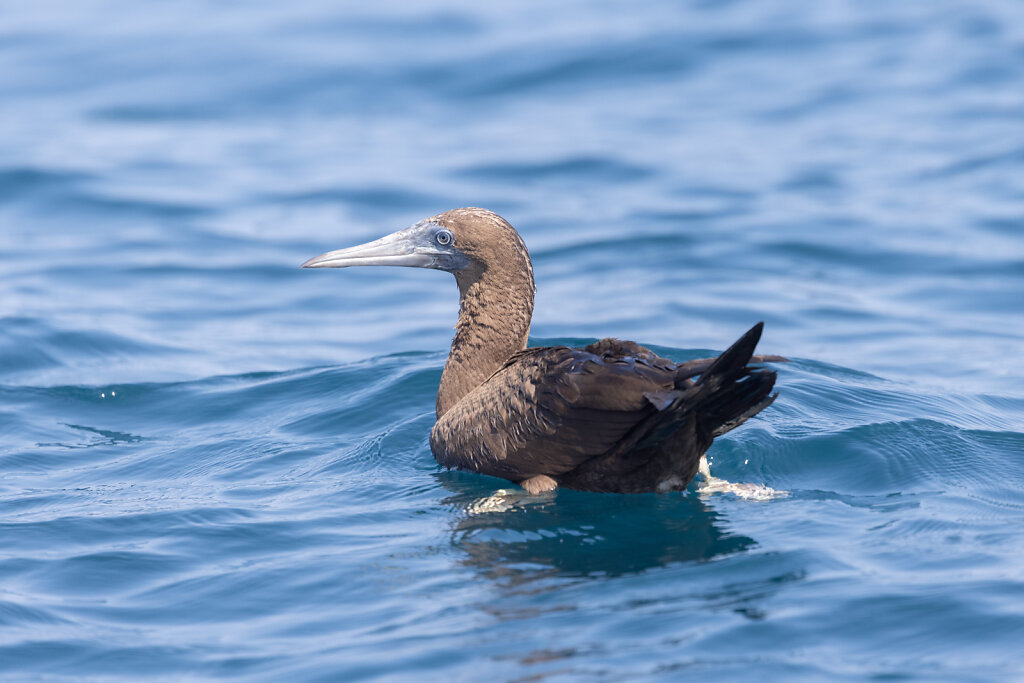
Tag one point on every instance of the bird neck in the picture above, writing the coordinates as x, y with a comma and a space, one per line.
495, 307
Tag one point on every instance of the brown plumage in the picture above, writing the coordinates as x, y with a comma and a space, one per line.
612, 416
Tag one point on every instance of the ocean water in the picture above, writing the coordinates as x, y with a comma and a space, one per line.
214, 465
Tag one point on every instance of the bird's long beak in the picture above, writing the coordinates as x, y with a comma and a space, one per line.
403, 248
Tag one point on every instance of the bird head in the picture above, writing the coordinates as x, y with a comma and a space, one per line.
466, 242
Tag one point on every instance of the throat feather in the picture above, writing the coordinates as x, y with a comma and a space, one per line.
494, 323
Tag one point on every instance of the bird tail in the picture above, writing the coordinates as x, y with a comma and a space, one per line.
732, 391
663, 451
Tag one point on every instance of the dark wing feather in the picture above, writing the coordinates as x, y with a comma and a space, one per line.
550, 409
699, 366
611, 417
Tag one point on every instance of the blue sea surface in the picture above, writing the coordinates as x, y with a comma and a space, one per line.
215, 465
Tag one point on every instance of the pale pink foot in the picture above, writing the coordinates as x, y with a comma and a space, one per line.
539, 484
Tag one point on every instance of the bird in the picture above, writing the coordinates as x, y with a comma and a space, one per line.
610, 417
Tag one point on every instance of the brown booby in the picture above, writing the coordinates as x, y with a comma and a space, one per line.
612, 416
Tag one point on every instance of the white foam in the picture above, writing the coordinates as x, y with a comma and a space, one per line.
499, 501
504, 500
712, 484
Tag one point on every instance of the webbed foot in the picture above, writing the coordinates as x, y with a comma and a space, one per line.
539, 484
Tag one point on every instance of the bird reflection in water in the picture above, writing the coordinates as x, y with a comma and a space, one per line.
518, 538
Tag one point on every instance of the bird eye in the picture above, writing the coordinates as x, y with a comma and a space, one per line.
443, 237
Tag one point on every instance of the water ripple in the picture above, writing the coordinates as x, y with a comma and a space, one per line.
215, 465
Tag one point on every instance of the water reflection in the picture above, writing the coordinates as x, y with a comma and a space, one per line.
517, 538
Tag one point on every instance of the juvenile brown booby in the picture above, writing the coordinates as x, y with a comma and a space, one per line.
612, 416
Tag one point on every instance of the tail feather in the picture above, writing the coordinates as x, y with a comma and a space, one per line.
663, 451
738, 355
733, 391
754, 404
728, 393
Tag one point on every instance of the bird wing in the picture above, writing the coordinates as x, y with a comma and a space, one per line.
549, 409
699, 366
